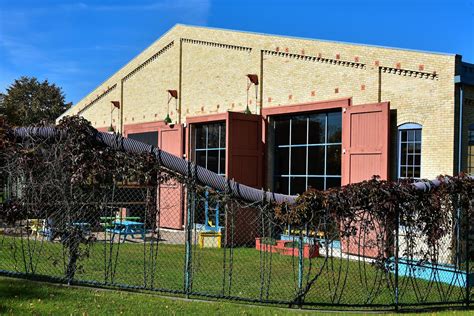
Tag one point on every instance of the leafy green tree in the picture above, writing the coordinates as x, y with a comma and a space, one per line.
28, 101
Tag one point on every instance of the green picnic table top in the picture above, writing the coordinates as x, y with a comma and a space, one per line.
113, 218
107, 221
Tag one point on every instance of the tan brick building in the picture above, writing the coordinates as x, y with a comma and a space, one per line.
323, 112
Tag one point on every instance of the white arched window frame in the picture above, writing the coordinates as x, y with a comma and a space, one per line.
409, 150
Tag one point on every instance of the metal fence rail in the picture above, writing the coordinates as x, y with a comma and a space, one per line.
177, 235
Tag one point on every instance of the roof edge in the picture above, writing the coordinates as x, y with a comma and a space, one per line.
316, 39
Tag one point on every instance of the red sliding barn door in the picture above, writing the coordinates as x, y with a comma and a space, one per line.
171, 193
244, 148
365, 142
244, 164
365, 150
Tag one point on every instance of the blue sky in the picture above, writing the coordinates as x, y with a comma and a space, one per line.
78, 44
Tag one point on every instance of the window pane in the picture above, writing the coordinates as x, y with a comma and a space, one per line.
416, 173
223, 135
282, 132
333, 164
417, 160
200, 139
417, 148
149, 138
212, 160
298, 185
403, 154
201, 158
403, 136
333, 182
298, 160
334, 127
410, 171
411, 135
281, 161
281, 185
316, 160
222, 162
418, 135
317, 129
411, 160
213, 136
403, 172
298, 130
316, 183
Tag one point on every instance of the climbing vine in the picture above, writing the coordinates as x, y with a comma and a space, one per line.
374, 204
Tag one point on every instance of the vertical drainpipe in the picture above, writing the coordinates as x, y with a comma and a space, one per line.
461, 97
379, 93
180, 75
121, 107
261, 82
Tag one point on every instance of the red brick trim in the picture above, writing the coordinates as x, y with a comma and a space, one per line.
102, 129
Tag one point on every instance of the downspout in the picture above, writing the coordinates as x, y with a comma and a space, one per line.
121, 106
461, 97
180, 79
379, 93
261, 83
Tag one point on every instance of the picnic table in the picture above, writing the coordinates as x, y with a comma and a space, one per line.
127, 227
108, 221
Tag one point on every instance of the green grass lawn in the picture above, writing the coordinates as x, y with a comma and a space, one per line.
254, 275
22, 297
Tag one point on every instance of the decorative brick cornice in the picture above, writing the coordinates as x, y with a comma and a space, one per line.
215, 44
318, 59
410, 73
148, 61
100, 96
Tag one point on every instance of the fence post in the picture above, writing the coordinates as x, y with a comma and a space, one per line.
300, 268
397, 246
467, 236
190, 190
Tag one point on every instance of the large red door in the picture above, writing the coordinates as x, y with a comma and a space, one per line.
365, 153
244, 148
171, 193
365, 142
244, 164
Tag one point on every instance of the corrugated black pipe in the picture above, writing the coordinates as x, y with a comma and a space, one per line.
172, 162
182, 166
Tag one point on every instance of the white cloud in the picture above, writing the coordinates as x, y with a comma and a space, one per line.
22, 43
17, 51
187, 11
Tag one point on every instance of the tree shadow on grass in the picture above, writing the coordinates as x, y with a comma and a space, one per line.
14, 292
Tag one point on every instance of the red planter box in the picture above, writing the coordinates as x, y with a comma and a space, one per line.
309, 251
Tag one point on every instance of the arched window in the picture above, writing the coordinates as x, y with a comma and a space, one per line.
409, 150
470, 150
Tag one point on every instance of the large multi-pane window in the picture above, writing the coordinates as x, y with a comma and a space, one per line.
409, 148
209, 146
470, 150
307, 152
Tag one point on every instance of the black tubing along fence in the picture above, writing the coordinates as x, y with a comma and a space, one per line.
84, 207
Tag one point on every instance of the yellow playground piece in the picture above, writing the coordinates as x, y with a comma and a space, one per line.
210, 240
36, 225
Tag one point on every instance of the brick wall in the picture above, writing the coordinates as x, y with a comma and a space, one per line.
208, 67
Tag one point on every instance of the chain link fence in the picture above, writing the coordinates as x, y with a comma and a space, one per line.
173, 234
